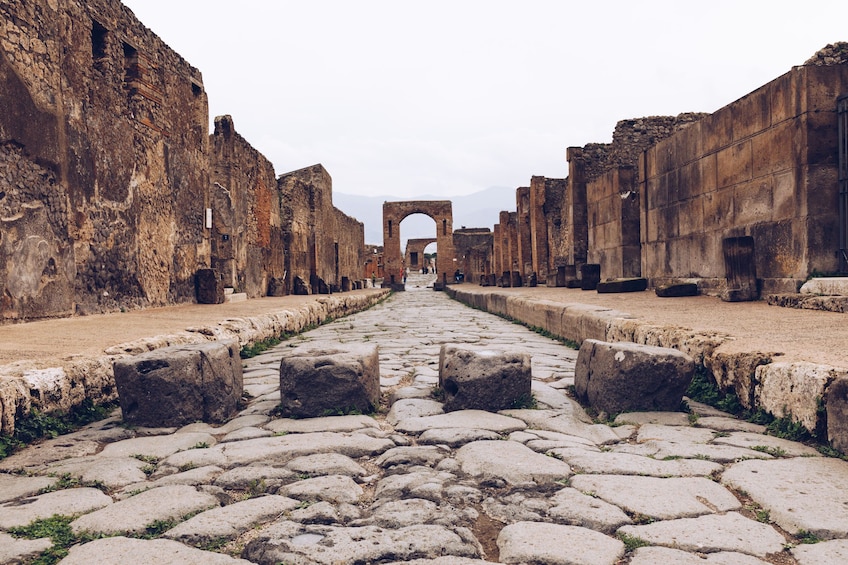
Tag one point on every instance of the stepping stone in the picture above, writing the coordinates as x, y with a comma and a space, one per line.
474, 378
802, 493
128, 551
622, 285
676, 290
711, 533
511, 463
661, 498
64, 502
553, 544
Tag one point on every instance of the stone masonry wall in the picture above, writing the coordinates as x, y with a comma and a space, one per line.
103, 146
473, 249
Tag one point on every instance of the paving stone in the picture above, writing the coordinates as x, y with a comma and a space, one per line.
566, 423
835, 551
282, 449
455, 437
663, 418
17, 486
783, 487
246, 433
112, 472
711, 533
424, 392
227, 522
475, 419
14, 550
157, 446
396, 514
254, 478
198, 476
611, 463
421, 482
510, 462
673, 450
134, 514
331, 488
674, 434
128, 551
554, 544
413, 408
419, 455
773, 445
323, 424
48, 452
65, 502
655, 555
725, 424
194, 458
326, 464
664, 499
327, 545
572, 507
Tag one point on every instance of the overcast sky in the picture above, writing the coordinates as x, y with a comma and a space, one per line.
448, 97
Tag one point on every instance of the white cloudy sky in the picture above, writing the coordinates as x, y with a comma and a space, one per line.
449, 97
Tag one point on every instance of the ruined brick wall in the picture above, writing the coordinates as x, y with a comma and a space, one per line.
613, 222
103, 147
539, 226
247, 236
473, 249
764, 166
349, 245
552, 209
305, 231
522, 227
414, 255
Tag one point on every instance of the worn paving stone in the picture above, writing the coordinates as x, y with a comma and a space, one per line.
511, 463
566, 423
413, 408
611, 463
157, 446
112, 472
773, 445
660, 498
255, 477
17, 486
658, 555
66, 502
134, 514
834, 551
455, 437
554, 544
726, 424
47, 452
469, 419
14, 550
662, 418
326, 464
572, 507
804, 493
711, 533
418, 455
324, 424
282, 449
330, 488
129, 551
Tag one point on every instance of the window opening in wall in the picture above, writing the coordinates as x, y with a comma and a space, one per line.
842, 119
131, 69
444, 227
98, 41
196, 89
390, 228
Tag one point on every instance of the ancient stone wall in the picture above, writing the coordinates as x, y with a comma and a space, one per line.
551, 250
523, 229
764, 166
349, 249
613, 223
247, 237
414, 255
441, 211
473, 249
103, 147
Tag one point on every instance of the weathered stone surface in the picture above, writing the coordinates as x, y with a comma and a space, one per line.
662, 498
511, 463
590, 276
676, 290
566, 423
835, 551
771, 444
281, 449
209, 287
657, 555
622, 285
455, 437
227, 522
320, 381
612, 463
572, 507
157, 446
326, 424
835, 286
257, 478
112, 472
65, 502
326, 464
14, 550
331, 488
482, 378
326, 545
413, 408
48, 452
711, 533
469, 419
619, 377
782, 488
836, 406
795, 390
419, 455
128, 551
177, 385
554, 544
16, 486
134, 514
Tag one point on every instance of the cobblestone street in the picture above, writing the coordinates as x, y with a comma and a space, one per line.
411, 484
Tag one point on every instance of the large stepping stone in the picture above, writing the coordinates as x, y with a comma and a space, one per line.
510, 462
711, 533
554, 544
803, 493
623, 376
64, 502
474, 378
322, 381
129, 551
180, 384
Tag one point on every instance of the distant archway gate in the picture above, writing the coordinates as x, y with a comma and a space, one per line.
394, 213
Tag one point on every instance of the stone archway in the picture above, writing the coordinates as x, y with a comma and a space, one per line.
414, 255
394, 213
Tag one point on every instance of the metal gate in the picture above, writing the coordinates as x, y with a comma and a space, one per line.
842, 119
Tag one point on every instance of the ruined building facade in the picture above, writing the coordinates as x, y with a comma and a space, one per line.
112, 192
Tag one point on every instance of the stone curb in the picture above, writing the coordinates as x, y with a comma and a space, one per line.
797, 391
24, 387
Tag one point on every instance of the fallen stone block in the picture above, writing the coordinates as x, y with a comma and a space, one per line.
178, 385
322, 381
590, 276
677, 290
624, 376
622, 285
483, 379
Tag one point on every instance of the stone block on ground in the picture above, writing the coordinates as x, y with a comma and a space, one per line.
622, 285
483, 379
178, 385
624, 376
676, 290
209, 287
321, 381
590, 276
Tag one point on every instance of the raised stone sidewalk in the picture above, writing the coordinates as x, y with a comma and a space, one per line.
411, 484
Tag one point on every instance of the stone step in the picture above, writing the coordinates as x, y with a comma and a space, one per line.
235, 297
830, 286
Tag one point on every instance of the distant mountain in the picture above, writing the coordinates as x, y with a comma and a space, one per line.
477, 210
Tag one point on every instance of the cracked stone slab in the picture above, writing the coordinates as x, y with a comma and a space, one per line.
655, 555
326, 464
554, 544
662, 418
230, 521
803, 493
612, 463
64, 502
727, 424
665, 499
17, 486
565, 423
113, 472
475, 419
323, 424
135, 513
327, 545
711, 533
572, 507
160, 446
253, 477
48, 452
429, 455
511, 462
331, 488
128, 551
834, 551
